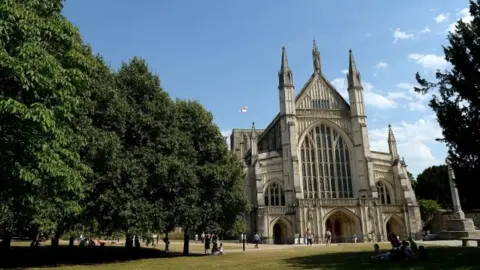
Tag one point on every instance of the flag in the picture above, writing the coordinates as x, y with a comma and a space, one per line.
243, 109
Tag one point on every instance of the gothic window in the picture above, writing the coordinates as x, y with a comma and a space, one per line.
325, 165
323, 104
274, 195
383, 193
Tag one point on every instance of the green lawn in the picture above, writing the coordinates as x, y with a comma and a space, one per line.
352, 256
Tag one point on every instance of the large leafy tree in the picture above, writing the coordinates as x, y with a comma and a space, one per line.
219, 195
433, 184
43, 68
133, 150
457, 104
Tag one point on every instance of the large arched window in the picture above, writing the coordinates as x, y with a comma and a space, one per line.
325, 160
274, 195
383, 193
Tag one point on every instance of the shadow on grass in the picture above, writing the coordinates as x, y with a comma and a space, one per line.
439, 258
24, 257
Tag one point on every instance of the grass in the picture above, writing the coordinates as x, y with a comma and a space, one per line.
349, 256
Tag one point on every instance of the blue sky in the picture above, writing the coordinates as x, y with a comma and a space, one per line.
226, 54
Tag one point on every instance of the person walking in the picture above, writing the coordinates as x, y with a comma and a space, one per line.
256, 239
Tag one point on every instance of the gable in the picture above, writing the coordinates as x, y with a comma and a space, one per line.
319, 94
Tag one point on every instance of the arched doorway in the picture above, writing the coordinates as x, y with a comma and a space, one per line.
343, 225
395, 225
280, 233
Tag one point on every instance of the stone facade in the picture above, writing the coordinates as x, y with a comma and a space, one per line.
312, 167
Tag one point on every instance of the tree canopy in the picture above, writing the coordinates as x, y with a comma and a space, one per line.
456, 102
433, 184
101, 151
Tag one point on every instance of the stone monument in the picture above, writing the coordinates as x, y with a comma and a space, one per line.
458, 226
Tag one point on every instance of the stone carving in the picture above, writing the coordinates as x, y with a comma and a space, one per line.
310, 213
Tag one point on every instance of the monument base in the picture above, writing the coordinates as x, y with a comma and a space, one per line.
460, 225
459, 228
455, 235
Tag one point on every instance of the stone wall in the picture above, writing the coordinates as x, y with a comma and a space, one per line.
439, 222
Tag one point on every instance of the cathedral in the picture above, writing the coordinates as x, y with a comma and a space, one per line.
312, 168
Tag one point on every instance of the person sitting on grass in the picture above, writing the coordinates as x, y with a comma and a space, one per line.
219, 250
390, 255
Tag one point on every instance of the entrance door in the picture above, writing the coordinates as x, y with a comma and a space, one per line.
277, 234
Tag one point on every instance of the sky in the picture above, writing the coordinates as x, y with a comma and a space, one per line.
226, 54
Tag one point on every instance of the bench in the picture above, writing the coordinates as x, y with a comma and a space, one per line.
465, 241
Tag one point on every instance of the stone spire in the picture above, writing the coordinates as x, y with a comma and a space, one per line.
253, 141
317, 67
285, 76
392, 143
353, 75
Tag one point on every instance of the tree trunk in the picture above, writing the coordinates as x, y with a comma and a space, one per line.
128, 241
56, 238
167, 242
35, 239
6, 241
186, 243
71, 241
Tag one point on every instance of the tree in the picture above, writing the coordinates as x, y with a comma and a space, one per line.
457, 105
133, 151
433, 184
220, 197
428, 209
43, 66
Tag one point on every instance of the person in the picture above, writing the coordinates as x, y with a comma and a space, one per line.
309, 238
202, 237
219, 250
328, 238
207, 243
407, 250
256, 239
214, 242
166, 240
355, 238
196, 238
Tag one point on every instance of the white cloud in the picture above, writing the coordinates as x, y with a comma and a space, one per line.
227, 133
399, 95
425, 30
371, 97
464, 17
429, 61
401, 35
411, 91
416, 106
344, 71
381, 65
441, 17
414, 142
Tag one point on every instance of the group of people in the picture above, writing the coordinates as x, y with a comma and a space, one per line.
212, 239
404, 250
309, 237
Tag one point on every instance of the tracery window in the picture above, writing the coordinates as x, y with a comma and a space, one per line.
325, 165
383, 193
274, 195
323, 104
